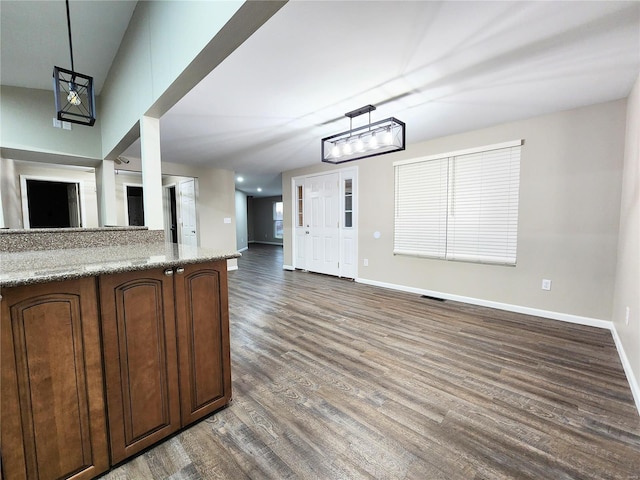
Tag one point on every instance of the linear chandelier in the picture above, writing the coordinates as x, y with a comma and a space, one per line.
73, 91
378, 138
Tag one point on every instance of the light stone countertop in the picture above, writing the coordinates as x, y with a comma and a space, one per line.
25, 268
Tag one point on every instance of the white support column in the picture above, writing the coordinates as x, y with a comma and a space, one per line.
151, 173
106, 186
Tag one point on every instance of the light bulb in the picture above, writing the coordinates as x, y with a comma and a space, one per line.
335, 151
387, 138
373, 143
346, 149
359, 145
73, 98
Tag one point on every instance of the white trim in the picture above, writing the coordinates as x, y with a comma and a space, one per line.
266, 243
565, 317
231, 268
466, 151
290, 268
626, 364
243, 249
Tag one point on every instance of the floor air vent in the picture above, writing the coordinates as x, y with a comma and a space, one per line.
432, 298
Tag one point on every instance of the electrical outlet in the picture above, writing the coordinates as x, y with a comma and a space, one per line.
546, 284
626, 318
365, 262
57, 123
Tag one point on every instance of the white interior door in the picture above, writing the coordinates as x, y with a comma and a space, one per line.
322, 212
188, 229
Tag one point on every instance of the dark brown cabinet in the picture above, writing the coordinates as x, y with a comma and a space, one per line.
162, 337
141, 372
53, 415
203, 339
166, 351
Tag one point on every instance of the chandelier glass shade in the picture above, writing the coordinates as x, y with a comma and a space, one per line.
377, 138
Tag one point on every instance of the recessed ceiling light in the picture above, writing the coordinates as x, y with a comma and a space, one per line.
259, 189
240, 179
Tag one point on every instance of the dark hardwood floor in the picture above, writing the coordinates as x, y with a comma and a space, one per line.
338, 380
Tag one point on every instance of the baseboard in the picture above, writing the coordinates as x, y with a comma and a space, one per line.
243, 249
268, 243
626, 364
565, 317
288, 267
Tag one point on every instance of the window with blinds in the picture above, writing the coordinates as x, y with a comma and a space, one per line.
459, 206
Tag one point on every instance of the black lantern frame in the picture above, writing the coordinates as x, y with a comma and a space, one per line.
64, 82
377, 138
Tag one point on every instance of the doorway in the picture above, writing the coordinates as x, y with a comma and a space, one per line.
171, 213
134, 203
49, 203
325, 223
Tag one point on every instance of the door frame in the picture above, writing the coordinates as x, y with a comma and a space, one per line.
25, 200
344, 173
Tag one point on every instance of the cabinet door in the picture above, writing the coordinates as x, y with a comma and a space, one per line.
53, 416
139, 341
203, 339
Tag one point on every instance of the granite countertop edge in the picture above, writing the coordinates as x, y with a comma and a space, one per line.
33, 267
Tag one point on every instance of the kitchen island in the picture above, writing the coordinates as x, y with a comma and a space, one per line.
107, 348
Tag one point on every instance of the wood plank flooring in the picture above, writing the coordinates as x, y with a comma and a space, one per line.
338, 380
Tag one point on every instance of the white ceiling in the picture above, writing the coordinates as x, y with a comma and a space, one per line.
441, 67
34, 38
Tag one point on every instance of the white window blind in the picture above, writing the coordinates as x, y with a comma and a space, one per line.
421, 209
463, 206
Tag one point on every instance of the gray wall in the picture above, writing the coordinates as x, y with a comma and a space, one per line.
242, 231
261, 219
627, 281
569, 211
27, 124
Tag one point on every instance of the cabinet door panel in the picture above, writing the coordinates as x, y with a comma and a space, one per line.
52, 395
140, 359
203, 345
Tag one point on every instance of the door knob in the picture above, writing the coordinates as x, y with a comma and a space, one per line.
168, 272
179, 270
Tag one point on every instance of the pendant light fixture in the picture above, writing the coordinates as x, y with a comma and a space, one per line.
73, 91
378, 138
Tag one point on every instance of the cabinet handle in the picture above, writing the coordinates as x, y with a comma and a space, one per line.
179, 270
168, 272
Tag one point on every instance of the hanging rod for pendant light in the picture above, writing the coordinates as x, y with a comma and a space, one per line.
70, 41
